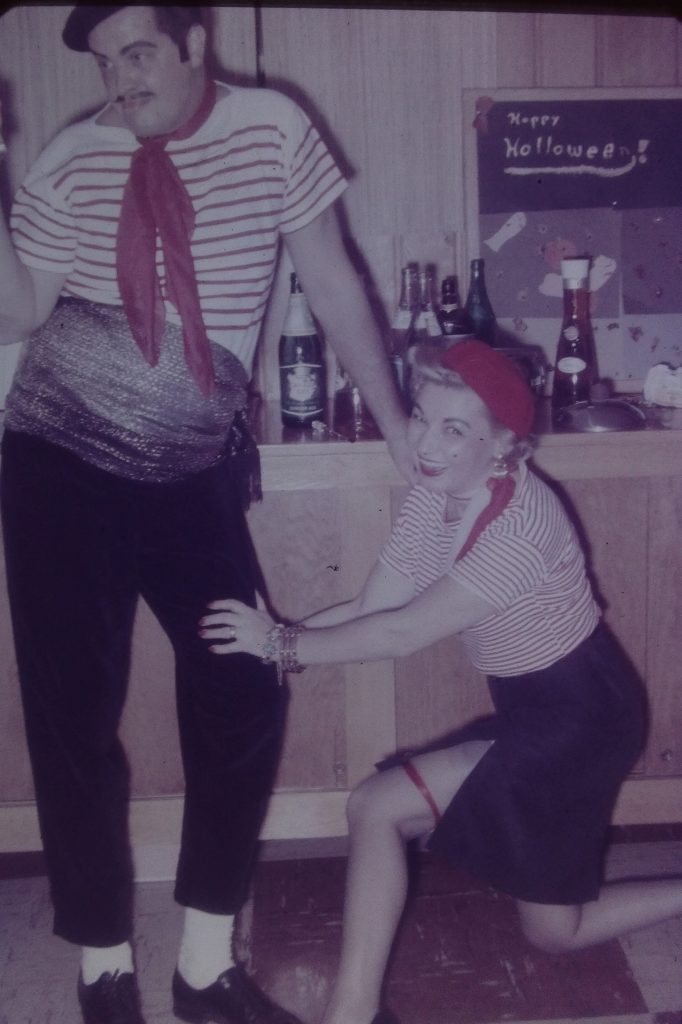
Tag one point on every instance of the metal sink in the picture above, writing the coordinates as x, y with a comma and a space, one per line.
595, 417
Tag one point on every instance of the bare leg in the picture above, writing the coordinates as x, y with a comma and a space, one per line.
622, 907
383, 813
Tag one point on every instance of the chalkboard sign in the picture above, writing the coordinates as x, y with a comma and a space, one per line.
560, 173
573, 154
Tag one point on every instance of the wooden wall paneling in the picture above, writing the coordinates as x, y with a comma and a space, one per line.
664, 655
370, 690
612, 525
478, 39
639, 51
615, 544
389, 102
566, 50
516, 49
315, 755
299, 539
232, 33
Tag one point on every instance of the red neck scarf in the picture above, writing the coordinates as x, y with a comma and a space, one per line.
501, 493
155, 200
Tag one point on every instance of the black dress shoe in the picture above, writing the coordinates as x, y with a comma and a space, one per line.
233, 999
112, 999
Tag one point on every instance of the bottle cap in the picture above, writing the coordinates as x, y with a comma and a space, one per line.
575, 272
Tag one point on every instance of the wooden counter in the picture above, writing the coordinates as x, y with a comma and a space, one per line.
327, 509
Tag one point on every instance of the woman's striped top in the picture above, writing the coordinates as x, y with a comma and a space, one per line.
527, 563
255, 169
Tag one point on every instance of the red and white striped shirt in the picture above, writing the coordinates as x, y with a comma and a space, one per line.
527, 563
255, 169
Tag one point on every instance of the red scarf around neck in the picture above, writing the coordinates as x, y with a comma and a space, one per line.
501, 491
156, 200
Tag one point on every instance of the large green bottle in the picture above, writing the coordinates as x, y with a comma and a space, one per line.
301, 365
479, 307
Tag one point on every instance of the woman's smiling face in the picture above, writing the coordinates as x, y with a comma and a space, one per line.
453, 439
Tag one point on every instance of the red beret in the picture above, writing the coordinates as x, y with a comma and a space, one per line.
497, 382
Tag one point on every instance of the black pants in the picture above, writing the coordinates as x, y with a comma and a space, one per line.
81, 545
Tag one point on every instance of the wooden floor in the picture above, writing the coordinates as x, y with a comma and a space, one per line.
460, 958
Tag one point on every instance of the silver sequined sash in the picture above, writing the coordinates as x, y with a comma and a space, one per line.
83, 384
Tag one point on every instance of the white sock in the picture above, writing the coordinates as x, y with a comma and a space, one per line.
97, 960
206, 947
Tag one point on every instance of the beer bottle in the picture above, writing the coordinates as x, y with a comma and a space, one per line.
426, 323
455, 322
425, 328
402, 325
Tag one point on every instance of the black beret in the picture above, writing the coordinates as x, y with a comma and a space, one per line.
81, 22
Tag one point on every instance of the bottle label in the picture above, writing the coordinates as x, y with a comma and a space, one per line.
402, 319
302, 388
571, 364
432, 325
571, 333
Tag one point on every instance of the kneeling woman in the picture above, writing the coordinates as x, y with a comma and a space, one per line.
481, 548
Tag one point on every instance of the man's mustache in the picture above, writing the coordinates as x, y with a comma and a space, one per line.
133, 96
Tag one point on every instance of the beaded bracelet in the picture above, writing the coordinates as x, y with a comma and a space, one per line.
271, 647
288, 640
280, 646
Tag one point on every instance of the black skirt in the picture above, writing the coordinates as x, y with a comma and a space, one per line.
532, 817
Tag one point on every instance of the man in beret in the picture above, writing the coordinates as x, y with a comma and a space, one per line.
142, 250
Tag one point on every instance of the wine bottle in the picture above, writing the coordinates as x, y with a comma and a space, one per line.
426, 322
425, 328
575, 368
455, 322
301, 365
403, 322
478, 305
